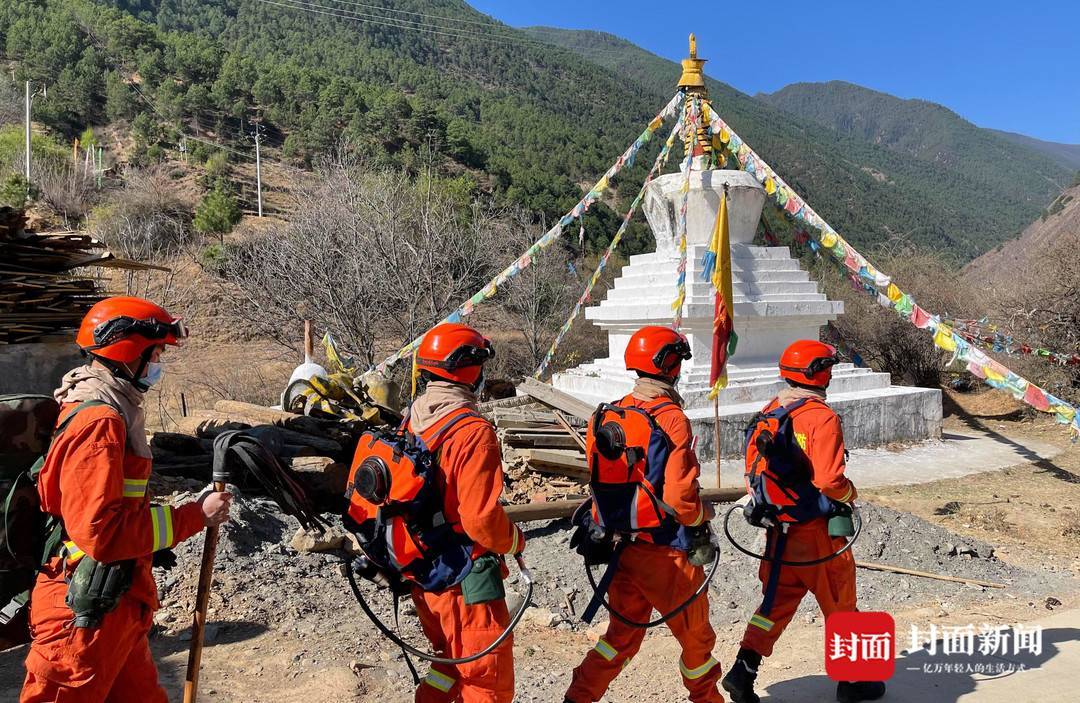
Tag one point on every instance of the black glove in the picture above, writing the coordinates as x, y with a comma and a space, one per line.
702, 550
165, 558
592, 543
760, 514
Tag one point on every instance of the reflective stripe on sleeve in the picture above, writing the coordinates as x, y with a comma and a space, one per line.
514, 544
700, 516
698, 671
72, 552
135, 487
161, 520
847, 496
605, 650
761, 622
439, 680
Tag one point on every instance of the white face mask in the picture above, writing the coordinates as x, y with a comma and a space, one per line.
154, 371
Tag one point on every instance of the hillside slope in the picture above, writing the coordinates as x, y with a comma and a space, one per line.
527, 121
866, 190
1058, 229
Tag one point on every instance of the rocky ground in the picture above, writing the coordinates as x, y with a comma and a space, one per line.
284, 626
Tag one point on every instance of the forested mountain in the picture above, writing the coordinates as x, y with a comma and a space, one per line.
1068, 155
957, 202
437, 82
927, 132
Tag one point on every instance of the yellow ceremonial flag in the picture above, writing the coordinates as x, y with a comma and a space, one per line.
716, 267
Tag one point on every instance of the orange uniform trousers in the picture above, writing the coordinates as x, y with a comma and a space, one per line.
68, 664
832, 583
457, 630
650, 576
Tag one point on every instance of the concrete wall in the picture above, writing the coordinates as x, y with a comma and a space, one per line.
895, 414
36, 368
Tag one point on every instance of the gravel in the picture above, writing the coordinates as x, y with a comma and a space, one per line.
261, 582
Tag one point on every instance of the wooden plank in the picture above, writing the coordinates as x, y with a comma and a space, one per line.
542, 441
557, 462
565, 508
489, 406
578, 439
557, 399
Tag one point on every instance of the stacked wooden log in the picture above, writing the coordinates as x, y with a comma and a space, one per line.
317, 450
39, 297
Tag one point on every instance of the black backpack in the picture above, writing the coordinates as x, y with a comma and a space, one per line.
28, 537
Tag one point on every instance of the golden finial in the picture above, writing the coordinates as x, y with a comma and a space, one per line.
692, 78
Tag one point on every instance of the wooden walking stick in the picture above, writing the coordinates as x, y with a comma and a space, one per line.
257, 462
202, 602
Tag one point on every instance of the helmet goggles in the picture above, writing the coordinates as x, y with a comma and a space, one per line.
672, 353
465, 355
816, 366
118, 328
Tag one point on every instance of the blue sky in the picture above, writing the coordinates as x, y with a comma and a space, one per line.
1012, 66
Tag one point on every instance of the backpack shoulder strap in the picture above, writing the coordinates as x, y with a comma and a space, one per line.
60, 427
461, 417
92, 403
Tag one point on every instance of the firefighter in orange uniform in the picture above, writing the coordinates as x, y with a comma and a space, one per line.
806, 366
653, 570
92, 605
450, 362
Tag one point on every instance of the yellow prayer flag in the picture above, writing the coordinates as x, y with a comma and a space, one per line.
943, 338
893, 293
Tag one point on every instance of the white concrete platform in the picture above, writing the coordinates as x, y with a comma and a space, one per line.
954, 455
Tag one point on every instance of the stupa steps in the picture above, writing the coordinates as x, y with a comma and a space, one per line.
616, 310
696, 252
630, 279
744, 292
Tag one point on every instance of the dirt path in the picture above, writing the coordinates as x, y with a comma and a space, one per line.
287, 630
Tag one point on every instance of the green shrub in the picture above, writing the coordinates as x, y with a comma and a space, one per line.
14, 191
217, 165
12, 145
218, 212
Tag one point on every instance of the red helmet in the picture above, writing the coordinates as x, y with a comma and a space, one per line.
808, 363
123, 328
454, 352
657, 351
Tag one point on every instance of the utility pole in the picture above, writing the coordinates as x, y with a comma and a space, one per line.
29, 100
27, 171
258, 166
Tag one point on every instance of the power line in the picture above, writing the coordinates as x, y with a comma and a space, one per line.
417, 26
481, 23
412, 25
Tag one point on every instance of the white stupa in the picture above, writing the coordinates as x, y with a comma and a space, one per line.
775, 304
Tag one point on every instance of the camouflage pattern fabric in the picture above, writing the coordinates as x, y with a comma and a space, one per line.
26, 426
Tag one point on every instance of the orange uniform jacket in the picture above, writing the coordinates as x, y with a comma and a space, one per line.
470, 466
98, 488
681, 489
818, 431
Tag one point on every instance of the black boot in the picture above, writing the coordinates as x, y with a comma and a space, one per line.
855, 691
739, 680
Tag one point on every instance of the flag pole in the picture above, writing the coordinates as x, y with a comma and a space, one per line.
716, 432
